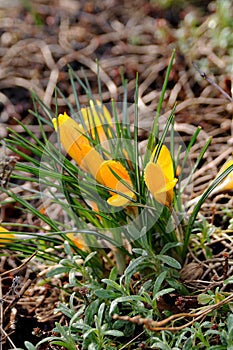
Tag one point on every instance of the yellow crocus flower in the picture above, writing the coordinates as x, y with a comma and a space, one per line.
159, 177
79, 148
73, 134
77, 144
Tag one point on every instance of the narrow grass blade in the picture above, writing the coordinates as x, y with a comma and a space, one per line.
155, 128
197, 207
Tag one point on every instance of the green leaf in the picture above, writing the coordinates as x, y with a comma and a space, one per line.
106, 294
218, 347
230, 324
204, 299
169, 246
168, 260
68, 249
64, 344
163, 292
158, 282
91, 311
93, 346
100, 314
88, 332
58, 271
161, 346
77, 315
66, 310
81, 325
136, 265
179, 287
114, 333
113, 285
89, 257
73, 277
125, 299
113, 274
29, 346
228, 280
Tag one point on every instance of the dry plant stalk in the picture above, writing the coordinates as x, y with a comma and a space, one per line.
18, 268
161, 325
18, 296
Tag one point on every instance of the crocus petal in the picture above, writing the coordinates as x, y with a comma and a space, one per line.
71, 137
96, 115
227, 183
159, 177
165, 161
94, 118
77, 241
5, 236
119, 201
154, 178
108, 178
93, 205
107, 170
91, 161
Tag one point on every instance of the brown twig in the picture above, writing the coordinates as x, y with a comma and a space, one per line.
160, 325
212, 82
18, 268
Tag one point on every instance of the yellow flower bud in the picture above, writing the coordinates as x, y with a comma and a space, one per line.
5, 236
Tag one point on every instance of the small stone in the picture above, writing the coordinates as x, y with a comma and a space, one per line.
190, 272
